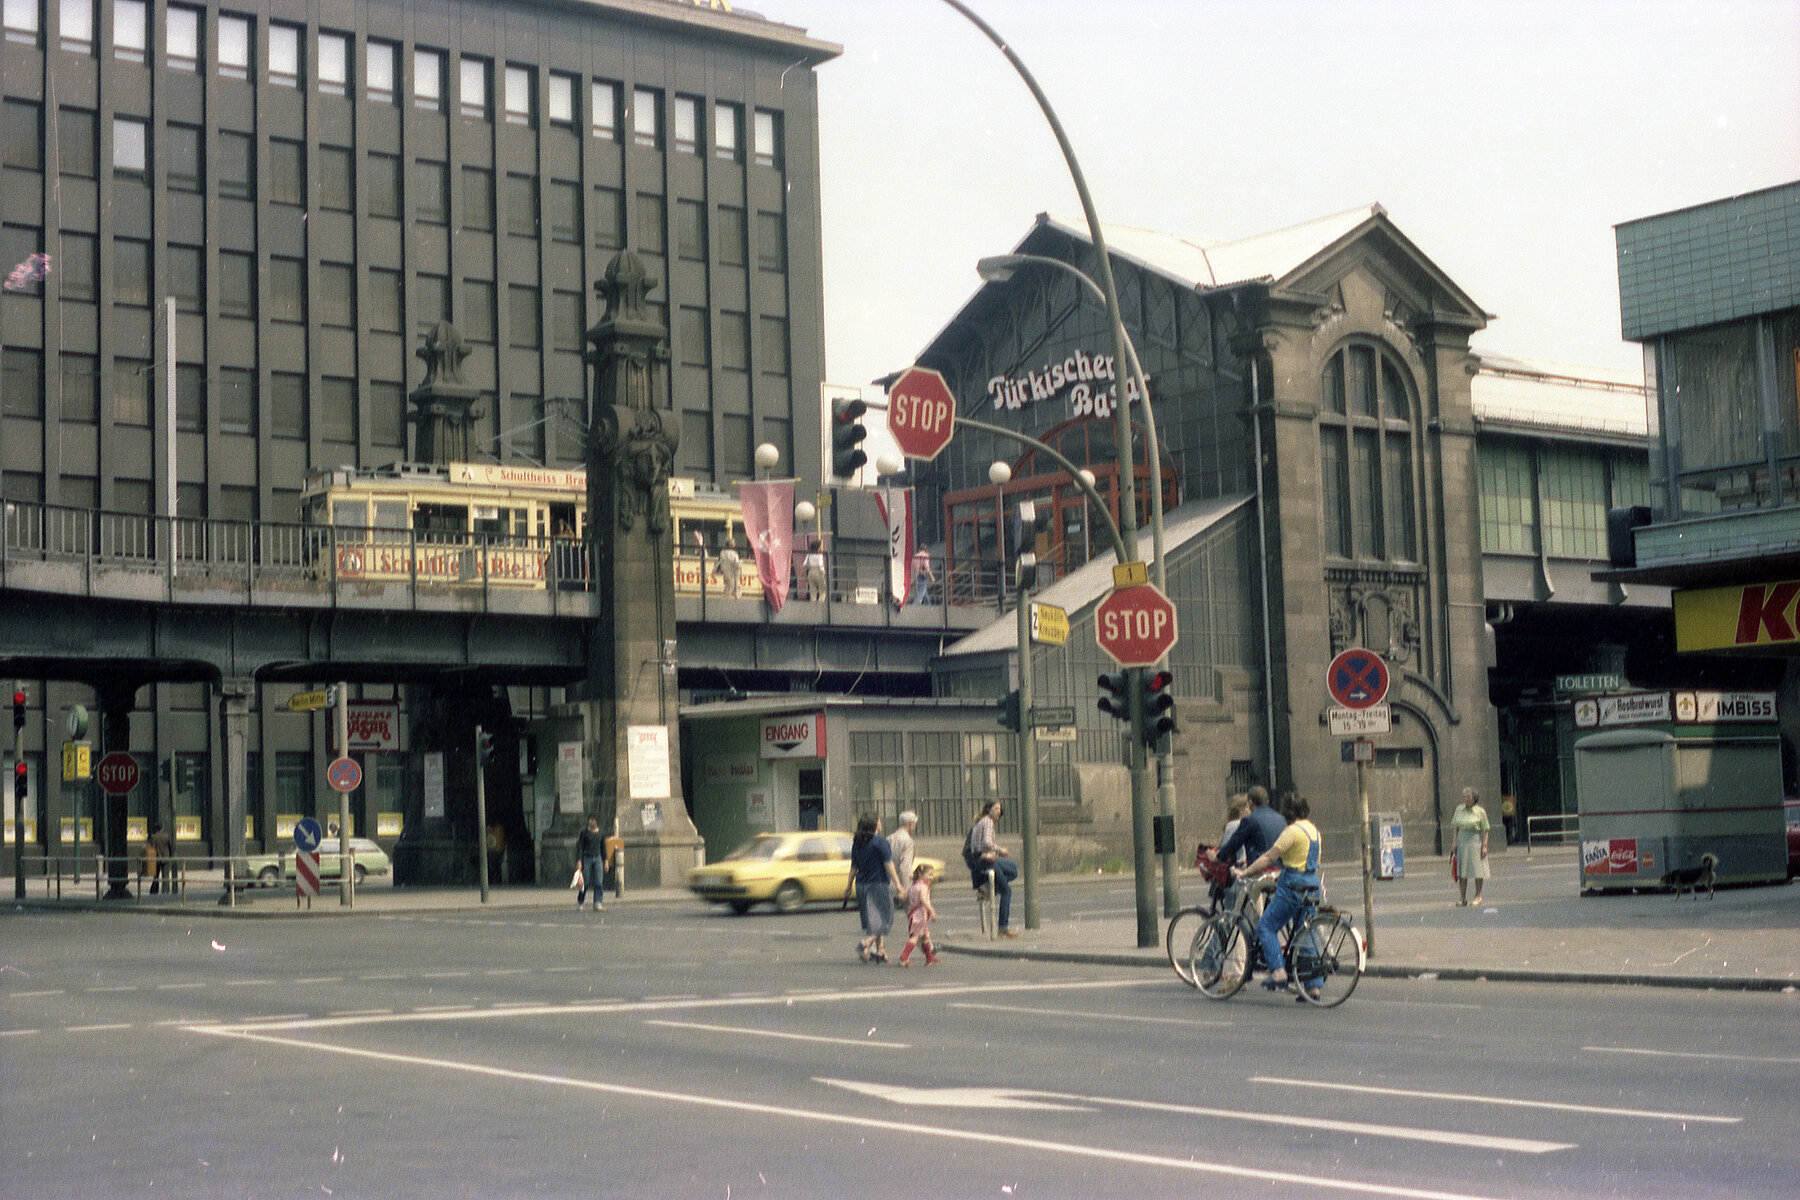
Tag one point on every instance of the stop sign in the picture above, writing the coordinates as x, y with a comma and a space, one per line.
117, 773
1135, 625
921, 412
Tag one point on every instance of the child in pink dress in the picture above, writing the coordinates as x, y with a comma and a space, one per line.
919, 915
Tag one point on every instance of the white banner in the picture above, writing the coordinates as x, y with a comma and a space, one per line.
374, 725
896, 505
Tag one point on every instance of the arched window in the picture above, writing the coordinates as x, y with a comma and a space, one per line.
1366, 457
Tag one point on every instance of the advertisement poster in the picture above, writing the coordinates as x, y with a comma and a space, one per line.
434, 784
647, 761
758, 810
568, 777
1614, 856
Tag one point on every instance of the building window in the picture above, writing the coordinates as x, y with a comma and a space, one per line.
478, 198
235, 166
234, 46
77, 26
184, 156
237, 284
646, 117
287, 290
692, 342
562, 208
131, 391
734, 443
287, 172
22, 385
478, 310
381, 182
384, 300
381, 69
768, 138
428, 79
732, 237
287, 405
605, 104
1367, 487
337, 295
187, 278
22, 21
131, 29
81, 388
78, 267
687, 124
24, 135
131, 272
772, 350
431, 192
690, 230
522, 205
334, 63
181, 27
609, 218
519, 109
336, 179
651, 216
734, 341
18, 246
728, 131
559, 99
432, 295
284, 55
131, 147
697, 443
771, 241
77, 131
473, 98
568, 323
384, 408
337, 409
525, 317
190, 399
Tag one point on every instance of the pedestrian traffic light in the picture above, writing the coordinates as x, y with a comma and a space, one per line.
1114, 701
1159, 707
186, 769
1010, 715
847, 433
21, 774
18, 709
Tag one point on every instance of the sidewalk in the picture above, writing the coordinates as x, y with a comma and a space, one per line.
1533, 926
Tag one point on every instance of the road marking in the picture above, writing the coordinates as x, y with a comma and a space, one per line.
1749, 1058
509, 971
248, 982
93, 1028
1597, 1109
34, 995
382, 978
185, 1022
443, 975
321, 979
17, 1032
444, 1008
793, 1037
118, 987
1092, 1016
361, 1012
564, 970
907, 1130
1443, 1137
176, 987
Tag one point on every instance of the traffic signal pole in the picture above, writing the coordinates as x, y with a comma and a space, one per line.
18, 799
346, 884
1028, 813
481, 851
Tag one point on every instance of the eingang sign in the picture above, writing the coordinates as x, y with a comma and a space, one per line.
1746, 616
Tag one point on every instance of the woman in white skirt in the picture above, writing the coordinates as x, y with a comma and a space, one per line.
1470, 821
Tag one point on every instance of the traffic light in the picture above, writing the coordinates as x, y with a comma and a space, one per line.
18, 709
1159, 707
1114, 701
21, 773
847, 433
1027, 521
1010, 715
484, 746
185, 772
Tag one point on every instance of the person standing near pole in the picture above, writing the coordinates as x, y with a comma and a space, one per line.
590, 848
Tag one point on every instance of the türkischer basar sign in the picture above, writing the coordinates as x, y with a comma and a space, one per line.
793, 735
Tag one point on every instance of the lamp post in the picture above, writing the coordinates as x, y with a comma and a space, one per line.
1000, 474
998, 268
1136, 751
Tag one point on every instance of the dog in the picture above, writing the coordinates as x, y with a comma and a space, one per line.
1692, 879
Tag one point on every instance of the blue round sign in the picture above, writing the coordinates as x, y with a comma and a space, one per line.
307, 835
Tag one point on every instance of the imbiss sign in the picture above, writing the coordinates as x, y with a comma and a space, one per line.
793, 736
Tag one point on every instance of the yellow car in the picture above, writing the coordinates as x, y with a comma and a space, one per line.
785, 869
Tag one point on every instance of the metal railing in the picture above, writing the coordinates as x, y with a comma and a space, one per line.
71, 876
1568, 827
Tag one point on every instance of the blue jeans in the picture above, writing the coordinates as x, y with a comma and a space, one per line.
1283, 905
1005, 871
593, 878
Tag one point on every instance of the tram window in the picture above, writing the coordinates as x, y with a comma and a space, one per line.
441, 519
390, 520
350, 514
493, 521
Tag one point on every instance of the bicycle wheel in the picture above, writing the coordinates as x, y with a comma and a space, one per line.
1184, 926
1219, 958
1327, 959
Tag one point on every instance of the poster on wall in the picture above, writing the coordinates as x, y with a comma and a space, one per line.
647, 761
759, 811
373, 725
568, 777
434, 784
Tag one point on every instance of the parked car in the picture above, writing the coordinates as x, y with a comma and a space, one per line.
787, 870
1791, 806
268, 870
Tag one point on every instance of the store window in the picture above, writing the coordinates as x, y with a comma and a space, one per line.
1366, 444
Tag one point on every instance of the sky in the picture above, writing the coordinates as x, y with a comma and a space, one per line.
1505, 138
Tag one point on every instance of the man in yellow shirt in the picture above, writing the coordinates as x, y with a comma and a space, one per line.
1297, 850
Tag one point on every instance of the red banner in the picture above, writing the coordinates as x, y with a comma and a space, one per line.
769, 524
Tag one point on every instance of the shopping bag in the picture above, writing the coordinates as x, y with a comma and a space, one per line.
575, 883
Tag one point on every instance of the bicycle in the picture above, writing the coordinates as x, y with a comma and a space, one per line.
1321, 950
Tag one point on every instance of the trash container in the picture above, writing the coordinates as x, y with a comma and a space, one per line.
1386, 842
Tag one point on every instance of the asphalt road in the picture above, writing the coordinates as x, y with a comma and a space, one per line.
666, 1050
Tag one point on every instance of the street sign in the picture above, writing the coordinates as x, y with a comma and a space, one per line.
311, 701
1054, 733
1355, 722
117, 773
344, 774
1064, 715
1357, 678
1135, 625
306, 874
921, 412
77, 761
1049, 624
307, 835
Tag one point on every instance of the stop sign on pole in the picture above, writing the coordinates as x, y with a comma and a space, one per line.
921, 412
1135, 625
117, 773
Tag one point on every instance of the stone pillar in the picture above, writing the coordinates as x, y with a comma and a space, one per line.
444, 405
631, 689
234, 741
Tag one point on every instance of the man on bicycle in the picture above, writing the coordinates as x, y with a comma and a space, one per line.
1253, 835
1297, 850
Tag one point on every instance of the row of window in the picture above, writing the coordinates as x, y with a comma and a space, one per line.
1552, 498
284, 54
